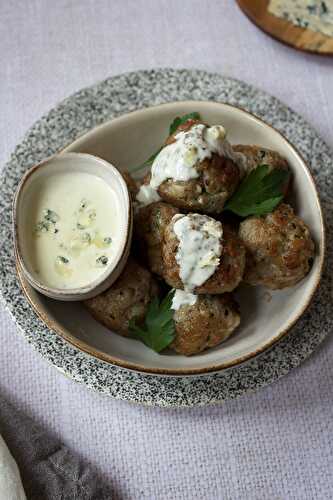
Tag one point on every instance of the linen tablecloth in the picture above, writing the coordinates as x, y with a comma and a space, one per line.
276, 444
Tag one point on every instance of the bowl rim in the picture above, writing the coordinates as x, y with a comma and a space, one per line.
181, 372
85, 290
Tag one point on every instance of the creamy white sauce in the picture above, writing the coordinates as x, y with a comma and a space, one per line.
147, 195
177, 160
71, 234
199, 249
182, 298
313, 14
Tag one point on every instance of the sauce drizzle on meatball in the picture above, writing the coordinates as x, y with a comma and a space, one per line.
178, 160
182, 298
199, 249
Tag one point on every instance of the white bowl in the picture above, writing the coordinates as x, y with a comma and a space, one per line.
266, 317
73, 162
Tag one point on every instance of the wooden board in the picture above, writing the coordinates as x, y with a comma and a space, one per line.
285, 31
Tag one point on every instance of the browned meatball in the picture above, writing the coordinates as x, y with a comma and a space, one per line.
256, 155
127, 298
207, 323
131, 184
149, 225
279, 248
217, 180
228, 273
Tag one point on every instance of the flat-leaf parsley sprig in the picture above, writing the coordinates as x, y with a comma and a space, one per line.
158, 330
259, 193
179, 120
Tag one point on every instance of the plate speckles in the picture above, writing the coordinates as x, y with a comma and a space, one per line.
104, 101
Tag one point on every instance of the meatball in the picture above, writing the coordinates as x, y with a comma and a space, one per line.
207, 323
279, 248
131, 184
256, 155
217, 175
127, 298
229, 270
149, 225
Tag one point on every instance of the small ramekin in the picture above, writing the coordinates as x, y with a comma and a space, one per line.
88, 164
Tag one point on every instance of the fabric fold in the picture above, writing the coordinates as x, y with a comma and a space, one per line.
48, 468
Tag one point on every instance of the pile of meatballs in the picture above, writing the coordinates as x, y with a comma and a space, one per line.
274, 250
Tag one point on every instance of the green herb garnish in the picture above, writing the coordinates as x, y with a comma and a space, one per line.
146, 163
259, 193
179, 120
158, 330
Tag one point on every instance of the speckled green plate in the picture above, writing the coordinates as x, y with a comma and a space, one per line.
102, 102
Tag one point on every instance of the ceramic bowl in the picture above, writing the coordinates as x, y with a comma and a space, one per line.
73, 162
266, 317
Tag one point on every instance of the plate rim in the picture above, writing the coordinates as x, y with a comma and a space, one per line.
179, 372
125, 92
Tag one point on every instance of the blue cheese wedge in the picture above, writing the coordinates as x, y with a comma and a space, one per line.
316, 15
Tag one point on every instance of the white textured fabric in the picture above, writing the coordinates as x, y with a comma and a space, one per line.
276, 444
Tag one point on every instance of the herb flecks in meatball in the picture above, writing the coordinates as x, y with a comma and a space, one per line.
127, 298
257, 155
279, 248
149, 226
204, 324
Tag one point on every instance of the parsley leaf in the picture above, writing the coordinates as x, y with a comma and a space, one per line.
158, 330
146, 163
259, 193
179, 120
